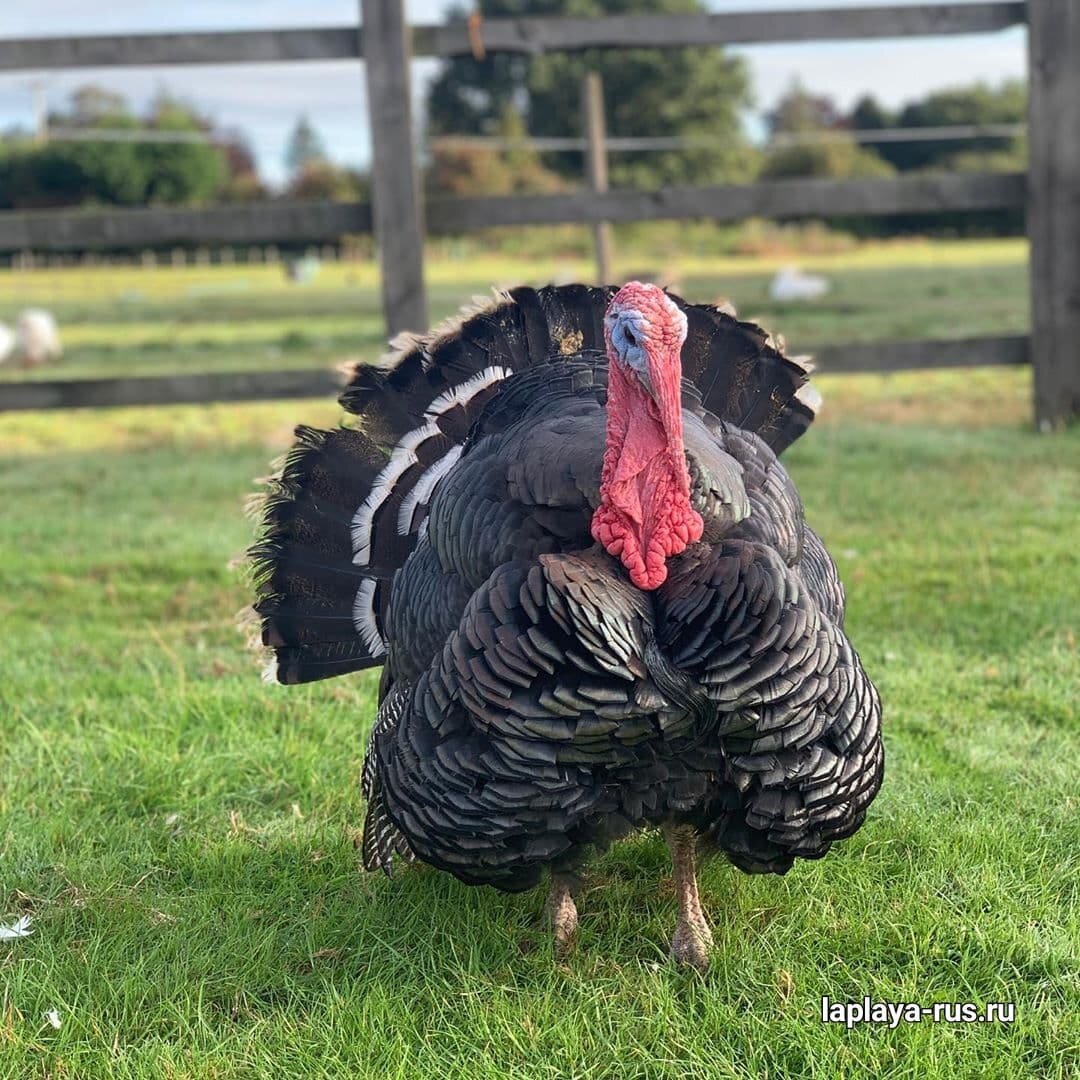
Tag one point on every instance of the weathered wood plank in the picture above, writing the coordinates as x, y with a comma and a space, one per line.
398, 213
596, 166
912, 355
266, 385
777, 199
320, 222
527, 35
245, 223
151, 50
540, 34
167, 390
1054, 208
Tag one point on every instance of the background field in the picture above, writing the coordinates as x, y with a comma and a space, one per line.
136, 321
182, 835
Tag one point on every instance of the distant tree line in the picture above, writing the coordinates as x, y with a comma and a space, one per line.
648, 92
842, 155
37, 172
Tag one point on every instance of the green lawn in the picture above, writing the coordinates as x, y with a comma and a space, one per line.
124, 321
182, 835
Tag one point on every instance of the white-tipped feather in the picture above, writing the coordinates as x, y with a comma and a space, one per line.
464, 392
423, 488
364, 618
269, 672
404, 457
810, 396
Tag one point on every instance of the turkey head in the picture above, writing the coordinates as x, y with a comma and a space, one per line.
645, 516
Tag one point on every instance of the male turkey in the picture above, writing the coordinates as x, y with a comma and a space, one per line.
560, 525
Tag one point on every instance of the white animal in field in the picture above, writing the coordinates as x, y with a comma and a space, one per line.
7, 342
37, 337
791, 284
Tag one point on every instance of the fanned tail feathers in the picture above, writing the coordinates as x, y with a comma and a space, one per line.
744, 378
348, 505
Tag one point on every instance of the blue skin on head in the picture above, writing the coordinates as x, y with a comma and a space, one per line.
627, 329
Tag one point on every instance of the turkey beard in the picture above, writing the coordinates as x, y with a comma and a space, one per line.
645, 516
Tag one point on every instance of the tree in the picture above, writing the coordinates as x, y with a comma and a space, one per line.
304, 147
647, 92
123, 173
870, 115
181, 172
471, 170
799, 110
243, 183
91, 104
978, 104
324, 180
839, 158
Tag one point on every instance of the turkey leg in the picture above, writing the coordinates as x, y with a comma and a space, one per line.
563, 913
693, 938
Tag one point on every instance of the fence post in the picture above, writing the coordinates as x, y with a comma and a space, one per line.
1054, 208
397, 212
596, 166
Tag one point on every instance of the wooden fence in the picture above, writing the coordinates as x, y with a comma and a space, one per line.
399, 218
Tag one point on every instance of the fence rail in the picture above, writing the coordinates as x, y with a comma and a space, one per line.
324, 222
635, 143
255, 386
167, 389
398, 219
532, 35
245, 223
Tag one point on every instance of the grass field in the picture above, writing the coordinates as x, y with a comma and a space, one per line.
161, 321
182, 835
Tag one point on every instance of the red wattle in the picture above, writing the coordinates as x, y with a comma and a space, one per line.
645, 516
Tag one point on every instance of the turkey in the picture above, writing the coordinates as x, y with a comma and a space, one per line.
560, 525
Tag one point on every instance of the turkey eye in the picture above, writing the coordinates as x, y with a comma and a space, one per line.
628, 338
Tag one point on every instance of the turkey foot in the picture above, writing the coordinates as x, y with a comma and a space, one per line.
692, 940
563, 913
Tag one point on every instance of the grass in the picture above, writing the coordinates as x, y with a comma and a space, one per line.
182, 835
127, 321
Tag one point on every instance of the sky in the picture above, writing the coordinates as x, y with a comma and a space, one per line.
265, 100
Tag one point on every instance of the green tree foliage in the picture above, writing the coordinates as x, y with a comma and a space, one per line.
695, 92
243, 183
799, 110
324, 180
838, 157
304, 148
870, 115
472, 170
181, 172
978, 104
65, 173
828, 151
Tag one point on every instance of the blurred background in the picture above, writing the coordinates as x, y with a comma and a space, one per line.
493, 124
